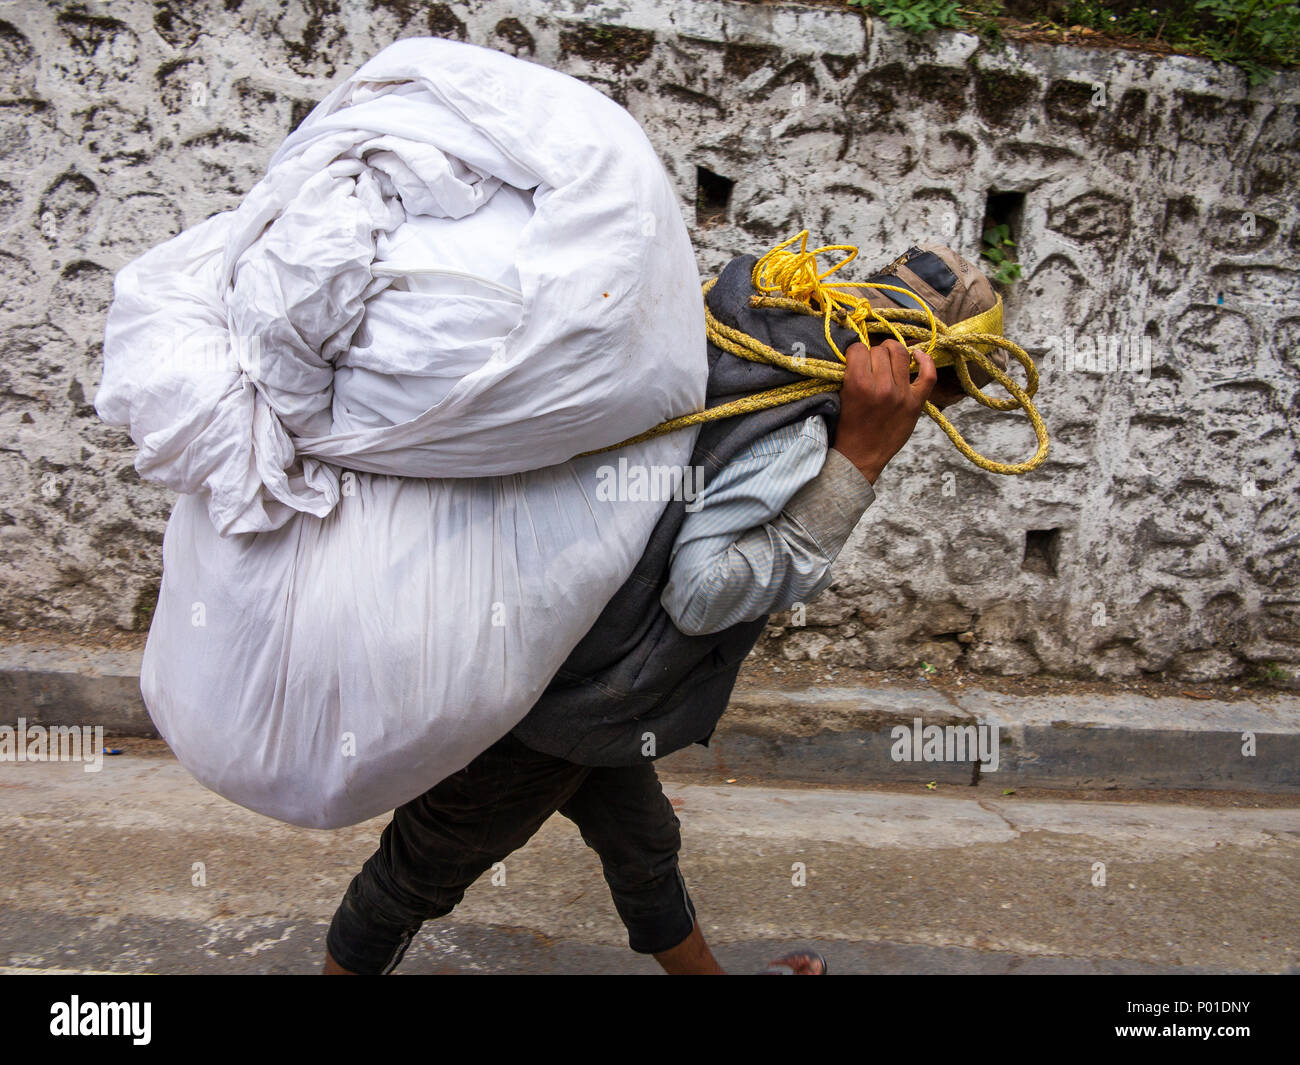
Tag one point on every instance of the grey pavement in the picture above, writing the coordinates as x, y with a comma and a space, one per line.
139, 869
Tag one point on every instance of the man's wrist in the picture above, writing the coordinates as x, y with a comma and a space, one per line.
870, 466
829, 506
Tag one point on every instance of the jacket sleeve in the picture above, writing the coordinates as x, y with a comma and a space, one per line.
769, 526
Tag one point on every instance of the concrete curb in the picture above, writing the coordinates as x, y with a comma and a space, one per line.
847, 736
51, 685
844, 735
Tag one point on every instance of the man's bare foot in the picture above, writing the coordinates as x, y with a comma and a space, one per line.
692, 956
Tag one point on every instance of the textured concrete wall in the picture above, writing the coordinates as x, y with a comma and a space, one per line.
1158, 218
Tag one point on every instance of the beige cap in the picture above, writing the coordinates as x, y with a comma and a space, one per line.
954, 288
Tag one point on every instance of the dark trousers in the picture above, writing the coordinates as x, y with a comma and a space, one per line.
441, 842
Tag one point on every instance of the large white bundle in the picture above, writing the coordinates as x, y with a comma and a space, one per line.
461, 266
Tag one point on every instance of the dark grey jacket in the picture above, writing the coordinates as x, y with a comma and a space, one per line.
635, 672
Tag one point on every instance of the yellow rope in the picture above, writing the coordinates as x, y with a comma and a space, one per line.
793, 281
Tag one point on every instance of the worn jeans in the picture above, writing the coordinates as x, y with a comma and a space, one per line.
442, 841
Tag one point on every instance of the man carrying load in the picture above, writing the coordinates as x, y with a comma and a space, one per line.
393, 578
784, 488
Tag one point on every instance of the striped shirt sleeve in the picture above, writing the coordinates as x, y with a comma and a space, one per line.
767, 529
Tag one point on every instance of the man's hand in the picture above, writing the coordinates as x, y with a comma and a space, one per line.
879, 404
949, 388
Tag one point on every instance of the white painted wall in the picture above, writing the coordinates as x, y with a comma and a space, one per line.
1155, 187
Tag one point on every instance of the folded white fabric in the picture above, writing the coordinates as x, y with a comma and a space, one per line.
368, 383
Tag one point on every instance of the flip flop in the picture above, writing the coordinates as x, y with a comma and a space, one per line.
777, 969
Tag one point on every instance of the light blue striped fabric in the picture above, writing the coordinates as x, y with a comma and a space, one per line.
738, 556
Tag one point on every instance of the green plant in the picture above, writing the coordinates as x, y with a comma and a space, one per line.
1269, 673
1264, 33
1259, 36
993, 249
1256, 35
916, 15
982, 19
920, 16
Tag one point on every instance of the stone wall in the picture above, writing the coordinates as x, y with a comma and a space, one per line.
1152, 199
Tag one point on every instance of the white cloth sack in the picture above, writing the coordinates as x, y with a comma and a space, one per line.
368, 383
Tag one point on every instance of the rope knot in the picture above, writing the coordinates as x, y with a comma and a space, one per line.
792, 280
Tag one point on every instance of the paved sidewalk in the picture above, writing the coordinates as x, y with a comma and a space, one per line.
98, 873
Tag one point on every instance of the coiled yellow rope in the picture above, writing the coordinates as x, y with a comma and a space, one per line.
792, 280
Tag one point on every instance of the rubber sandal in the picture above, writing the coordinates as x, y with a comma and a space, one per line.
776, 969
